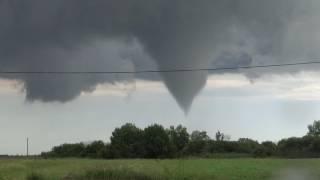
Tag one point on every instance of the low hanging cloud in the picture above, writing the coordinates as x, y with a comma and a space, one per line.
126, 35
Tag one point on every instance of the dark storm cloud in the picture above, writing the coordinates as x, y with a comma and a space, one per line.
127, 35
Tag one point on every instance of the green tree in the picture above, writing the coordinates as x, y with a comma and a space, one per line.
269, 147
198, 142
293, 147
127, 142
219, 136
156, 142
69, 150
247, 145
95, 149
199, 136
314, 129
179, 137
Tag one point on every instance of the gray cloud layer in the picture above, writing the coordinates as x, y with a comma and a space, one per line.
126, 35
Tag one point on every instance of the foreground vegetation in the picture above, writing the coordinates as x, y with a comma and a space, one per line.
225, 159
220, 169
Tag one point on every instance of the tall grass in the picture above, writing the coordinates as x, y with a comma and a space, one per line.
182, 169
107, 174
101, 174
35, 176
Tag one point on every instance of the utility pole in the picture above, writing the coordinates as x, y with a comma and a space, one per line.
27, 147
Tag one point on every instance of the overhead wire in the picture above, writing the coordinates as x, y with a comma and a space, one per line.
164, 70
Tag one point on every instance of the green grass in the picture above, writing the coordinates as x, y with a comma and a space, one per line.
203, 169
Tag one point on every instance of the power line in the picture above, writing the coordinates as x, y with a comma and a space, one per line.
162, 71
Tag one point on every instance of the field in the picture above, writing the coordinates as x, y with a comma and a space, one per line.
220, 169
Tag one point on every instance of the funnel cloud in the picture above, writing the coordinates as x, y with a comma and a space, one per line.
126, 35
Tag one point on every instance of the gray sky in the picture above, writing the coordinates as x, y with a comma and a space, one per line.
126, 35
269, 109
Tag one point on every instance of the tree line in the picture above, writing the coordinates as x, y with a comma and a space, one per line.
129, 141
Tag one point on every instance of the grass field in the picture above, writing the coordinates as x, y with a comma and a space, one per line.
221, 169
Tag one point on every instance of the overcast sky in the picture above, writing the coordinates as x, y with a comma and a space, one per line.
113, 35
269, 109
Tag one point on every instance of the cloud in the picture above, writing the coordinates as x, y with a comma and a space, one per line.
7, 87
78, 35
302, 86
125, 90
